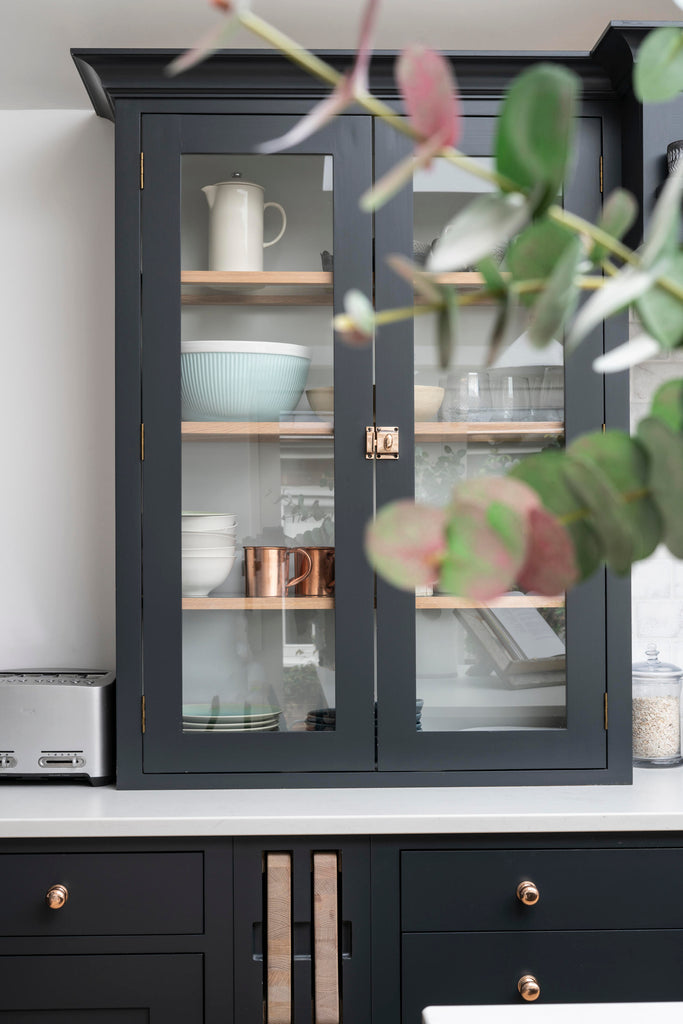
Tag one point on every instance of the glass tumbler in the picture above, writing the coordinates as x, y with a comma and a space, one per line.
467, 397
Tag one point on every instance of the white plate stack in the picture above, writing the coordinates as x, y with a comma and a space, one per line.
208, 550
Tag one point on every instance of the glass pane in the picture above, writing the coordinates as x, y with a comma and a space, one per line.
257, 463
501, 667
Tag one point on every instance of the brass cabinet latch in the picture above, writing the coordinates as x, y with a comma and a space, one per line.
381, 442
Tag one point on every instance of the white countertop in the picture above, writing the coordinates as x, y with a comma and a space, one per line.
653, 803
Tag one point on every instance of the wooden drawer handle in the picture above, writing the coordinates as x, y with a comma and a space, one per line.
56, 896
528, 894
278, 938
528, 988
326, 939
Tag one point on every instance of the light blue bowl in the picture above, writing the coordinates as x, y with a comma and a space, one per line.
241, 380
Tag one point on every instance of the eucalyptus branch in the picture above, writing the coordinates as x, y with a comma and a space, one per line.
326, 73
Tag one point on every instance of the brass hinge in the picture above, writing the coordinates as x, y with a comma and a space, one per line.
605, 712
144, 714
601, 174
381, 442
142, 442
142, 171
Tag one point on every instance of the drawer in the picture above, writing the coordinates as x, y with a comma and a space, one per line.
577, 967
108, 894
453, 890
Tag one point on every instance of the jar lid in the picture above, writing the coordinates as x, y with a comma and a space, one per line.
653, 668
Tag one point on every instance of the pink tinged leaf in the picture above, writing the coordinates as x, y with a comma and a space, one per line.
359, 75
482, 561
213, 40
400, 174
550, 566
487, 537
416, 276
430, 94
351, 85
338, 100
514, 493
406, 542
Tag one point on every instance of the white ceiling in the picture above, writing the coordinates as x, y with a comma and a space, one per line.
36, 70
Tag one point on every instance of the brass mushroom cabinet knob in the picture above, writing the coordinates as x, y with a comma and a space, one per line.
528, 894
528, 988
56, 896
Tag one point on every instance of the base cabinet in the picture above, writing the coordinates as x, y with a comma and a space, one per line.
166, 989
334, 929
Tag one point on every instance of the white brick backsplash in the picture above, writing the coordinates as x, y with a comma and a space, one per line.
658, 619
647, 377
652, 578
676, 578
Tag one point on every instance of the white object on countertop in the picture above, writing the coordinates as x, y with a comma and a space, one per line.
556, 1013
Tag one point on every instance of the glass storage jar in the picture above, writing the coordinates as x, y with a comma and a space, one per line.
656, 712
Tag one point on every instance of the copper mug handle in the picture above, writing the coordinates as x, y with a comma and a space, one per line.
304, 575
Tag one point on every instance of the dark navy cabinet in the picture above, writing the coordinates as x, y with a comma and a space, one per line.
352, 683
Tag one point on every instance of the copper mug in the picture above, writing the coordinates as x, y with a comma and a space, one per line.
267, 570
319, 582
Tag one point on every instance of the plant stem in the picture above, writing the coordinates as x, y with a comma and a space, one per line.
320, 69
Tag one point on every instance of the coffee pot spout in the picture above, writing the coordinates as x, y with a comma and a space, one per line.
210, 193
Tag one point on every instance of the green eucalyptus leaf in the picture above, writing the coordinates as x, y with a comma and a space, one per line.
623, 462
665, 451
663, 229
623, 357
447, 326
533, 254
558, 302
667, 405
536, 129
658, 73
493, 279
607, 511
660, 313
544, 473
488, 221
618, 214
616, 294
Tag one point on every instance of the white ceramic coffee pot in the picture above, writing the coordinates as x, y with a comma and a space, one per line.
236, 224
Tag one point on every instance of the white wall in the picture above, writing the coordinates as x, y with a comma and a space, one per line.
57, 410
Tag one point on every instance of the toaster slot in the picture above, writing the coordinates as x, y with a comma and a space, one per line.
66, 759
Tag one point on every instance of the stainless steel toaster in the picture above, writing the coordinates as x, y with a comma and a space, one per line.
57, 725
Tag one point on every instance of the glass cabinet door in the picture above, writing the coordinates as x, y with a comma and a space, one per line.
529, 669
257, 601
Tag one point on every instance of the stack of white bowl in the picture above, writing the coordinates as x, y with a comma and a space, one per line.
208, 550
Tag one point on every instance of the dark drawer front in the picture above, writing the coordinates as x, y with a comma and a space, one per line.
448, 890
579, 967
109, 894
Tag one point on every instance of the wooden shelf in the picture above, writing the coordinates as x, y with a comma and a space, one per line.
511, 601
275, 604
490, 433
484, 433
247, 431
224, 604
279, 287
256, 288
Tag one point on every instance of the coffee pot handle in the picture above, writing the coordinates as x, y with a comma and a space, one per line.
307, 572
284, 223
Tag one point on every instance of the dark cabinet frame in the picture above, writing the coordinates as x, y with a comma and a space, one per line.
130, 88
